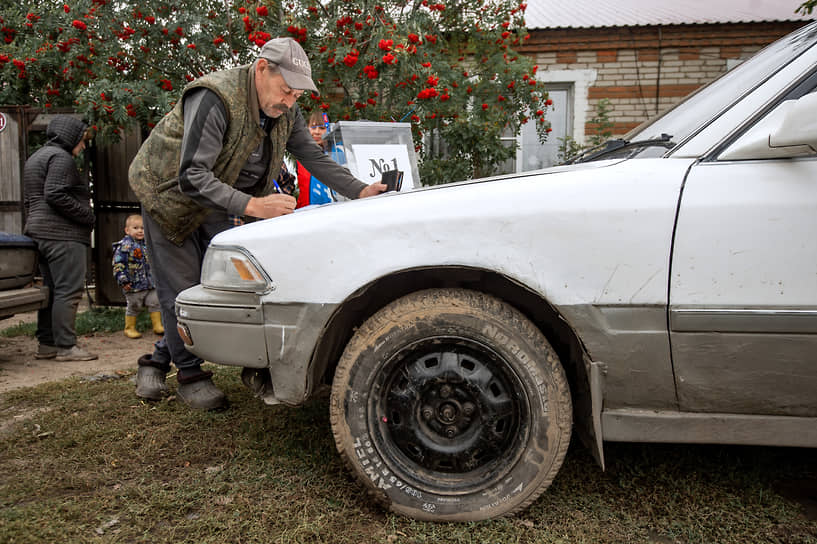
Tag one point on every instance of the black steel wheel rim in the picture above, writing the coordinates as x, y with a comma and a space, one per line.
450, 413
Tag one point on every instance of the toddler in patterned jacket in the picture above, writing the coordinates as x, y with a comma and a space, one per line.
132, 272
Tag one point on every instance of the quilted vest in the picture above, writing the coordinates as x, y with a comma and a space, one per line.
154, 172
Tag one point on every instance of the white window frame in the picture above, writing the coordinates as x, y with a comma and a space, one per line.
578, 82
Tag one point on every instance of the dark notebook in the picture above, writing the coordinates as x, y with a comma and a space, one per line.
393, 179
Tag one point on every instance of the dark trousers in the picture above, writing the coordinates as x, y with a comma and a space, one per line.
175, 268
63, 266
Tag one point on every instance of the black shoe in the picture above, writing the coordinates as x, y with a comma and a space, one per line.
197, 390
150, 383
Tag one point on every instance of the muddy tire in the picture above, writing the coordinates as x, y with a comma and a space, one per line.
450, 405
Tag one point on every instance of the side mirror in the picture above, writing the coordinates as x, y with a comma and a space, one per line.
790, 130
799, 125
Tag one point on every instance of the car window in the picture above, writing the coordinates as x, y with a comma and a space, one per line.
759, 130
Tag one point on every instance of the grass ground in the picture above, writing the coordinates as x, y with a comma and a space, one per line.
87, 462
97, 319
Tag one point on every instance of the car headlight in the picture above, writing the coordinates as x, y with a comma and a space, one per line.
232, 269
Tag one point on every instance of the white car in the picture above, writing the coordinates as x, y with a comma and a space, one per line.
660, 289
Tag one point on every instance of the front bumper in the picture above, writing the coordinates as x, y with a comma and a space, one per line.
239, 329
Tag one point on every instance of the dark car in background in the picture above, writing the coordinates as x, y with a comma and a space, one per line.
18, 266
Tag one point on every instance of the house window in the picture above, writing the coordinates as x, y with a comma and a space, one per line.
567, 116
534, 155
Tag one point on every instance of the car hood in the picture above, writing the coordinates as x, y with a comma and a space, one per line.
335, 215
543, 171
536, 228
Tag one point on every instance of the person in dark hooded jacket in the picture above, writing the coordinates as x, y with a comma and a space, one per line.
59, 218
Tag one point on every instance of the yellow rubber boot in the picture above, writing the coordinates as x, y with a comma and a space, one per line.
156, 319
130, 327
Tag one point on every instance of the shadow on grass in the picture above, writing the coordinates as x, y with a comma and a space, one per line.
88, 462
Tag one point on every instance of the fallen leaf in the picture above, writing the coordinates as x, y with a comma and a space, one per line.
107, 525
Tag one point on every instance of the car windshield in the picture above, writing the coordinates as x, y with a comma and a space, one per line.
696, 111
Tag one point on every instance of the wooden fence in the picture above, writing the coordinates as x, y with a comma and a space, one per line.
107, 172
13, 142
113, 202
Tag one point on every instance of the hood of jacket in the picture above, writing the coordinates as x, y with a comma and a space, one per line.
65, 132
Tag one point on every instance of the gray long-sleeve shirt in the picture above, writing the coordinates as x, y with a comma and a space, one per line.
205, 123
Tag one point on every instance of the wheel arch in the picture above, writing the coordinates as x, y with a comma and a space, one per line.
370, 298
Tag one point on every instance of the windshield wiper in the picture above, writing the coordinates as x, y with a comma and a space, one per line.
618, 144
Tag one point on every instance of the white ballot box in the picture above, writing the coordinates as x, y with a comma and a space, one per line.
369, 148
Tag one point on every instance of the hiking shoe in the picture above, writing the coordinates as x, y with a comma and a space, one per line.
74, 353
202, 395
44, 351
150, 383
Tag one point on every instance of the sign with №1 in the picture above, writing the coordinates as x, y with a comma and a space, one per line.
372, 160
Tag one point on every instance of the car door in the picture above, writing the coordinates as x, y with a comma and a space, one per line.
743, 287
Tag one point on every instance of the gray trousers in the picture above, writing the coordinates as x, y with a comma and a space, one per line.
175, 268
138, 300
63, 266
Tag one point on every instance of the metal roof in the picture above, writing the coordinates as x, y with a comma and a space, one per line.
605, 13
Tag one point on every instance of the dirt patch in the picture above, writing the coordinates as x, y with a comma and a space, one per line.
19, 368
803, 492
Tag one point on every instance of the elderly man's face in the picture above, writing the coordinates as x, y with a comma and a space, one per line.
274, 95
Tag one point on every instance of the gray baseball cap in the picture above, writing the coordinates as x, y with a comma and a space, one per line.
291, 60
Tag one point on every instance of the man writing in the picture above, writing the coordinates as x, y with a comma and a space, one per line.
216, 155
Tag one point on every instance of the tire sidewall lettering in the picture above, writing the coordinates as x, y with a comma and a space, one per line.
521, 357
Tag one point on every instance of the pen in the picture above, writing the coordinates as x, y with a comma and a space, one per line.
277, 187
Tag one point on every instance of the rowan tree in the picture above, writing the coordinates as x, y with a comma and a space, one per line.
806, 7
448, 68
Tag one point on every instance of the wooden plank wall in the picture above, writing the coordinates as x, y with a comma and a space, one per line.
12, 156
113, 202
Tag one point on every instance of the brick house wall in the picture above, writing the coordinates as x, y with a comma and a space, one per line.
641, 70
